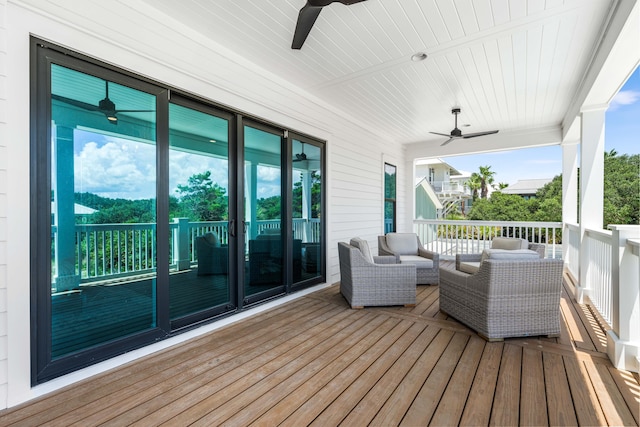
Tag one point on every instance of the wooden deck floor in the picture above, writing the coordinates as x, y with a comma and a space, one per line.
316, 361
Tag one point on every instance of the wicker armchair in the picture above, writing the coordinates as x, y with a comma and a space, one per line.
374, 281
505, 298
408, 249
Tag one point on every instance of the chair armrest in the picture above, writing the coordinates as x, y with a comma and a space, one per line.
538, 247
384, 250
385, 259
433, 256
467, 258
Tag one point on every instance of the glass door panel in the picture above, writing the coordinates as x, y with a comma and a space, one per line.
103, 211
265, 257
307, 211
198, 211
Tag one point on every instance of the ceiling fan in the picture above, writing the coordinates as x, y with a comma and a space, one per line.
457, 133
300, 157
106, 106
307, 17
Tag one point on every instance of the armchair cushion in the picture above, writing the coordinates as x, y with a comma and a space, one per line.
510, 243
416, 260
470, 267
403, 243
364, 248
509, 254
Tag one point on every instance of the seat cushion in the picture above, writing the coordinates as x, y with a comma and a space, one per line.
212, 239
416, 260
402, 243
517, 254
363, 246
469, 267
510, 243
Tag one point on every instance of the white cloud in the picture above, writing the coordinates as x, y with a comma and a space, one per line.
118, 168
624, 97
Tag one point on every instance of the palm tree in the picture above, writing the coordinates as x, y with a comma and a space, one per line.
501, 186
474, 184
486, 179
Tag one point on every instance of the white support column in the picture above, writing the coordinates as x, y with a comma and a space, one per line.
591, 186
569, 189
623, 340
306, 206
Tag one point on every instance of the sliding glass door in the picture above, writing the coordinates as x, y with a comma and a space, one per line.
154, 211
265, 249
199, 285
306, 210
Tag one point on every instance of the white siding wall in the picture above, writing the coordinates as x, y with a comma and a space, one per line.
156, 46
3, 203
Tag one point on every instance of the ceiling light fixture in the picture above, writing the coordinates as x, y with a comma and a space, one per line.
417, 57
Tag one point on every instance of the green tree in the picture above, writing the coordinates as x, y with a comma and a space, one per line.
501, 207
621, 188
486, 180
268, 208
202, 200
474, 184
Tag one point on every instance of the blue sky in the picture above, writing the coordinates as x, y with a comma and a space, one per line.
622, 133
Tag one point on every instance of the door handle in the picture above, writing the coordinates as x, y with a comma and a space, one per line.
232, 228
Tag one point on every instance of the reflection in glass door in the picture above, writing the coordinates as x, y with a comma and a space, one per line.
264, 245
103, 211
198, 212
306, 211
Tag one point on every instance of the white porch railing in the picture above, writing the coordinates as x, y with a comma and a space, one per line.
610, 279
449, 238
110, 251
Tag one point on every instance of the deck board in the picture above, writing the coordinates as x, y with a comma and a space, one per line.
316, 361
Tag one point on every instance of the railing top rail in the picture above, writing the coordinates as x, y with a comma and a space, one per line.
120, 226
602, 235
534, 224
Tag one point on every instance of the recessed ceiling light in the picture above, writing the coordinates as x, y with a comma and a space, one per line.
417, 57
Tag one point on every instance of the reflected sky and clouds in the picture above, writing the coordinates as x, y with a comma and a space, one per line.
120, 168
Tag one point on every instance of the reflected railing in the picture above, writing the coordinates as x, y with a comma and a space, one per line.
111, 251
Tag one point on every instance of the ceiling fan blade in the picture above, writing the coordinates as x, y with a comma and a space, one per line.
448, 141
75, 103
134, 111
441, 134
473, 135
306, 18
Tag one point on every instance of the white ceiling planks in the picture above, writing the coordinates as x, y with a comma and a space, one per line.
509, 64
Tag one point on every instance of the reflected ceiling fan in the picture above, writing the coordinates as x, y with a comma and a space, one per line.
106, 106
457, 133
300, 157
307, 17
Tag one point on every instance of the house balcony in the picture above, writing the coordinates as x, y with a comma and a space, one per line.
448, 189
315, 361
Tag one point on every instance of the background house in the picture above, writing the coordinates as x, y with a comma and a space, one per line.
526, 188
448, 186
